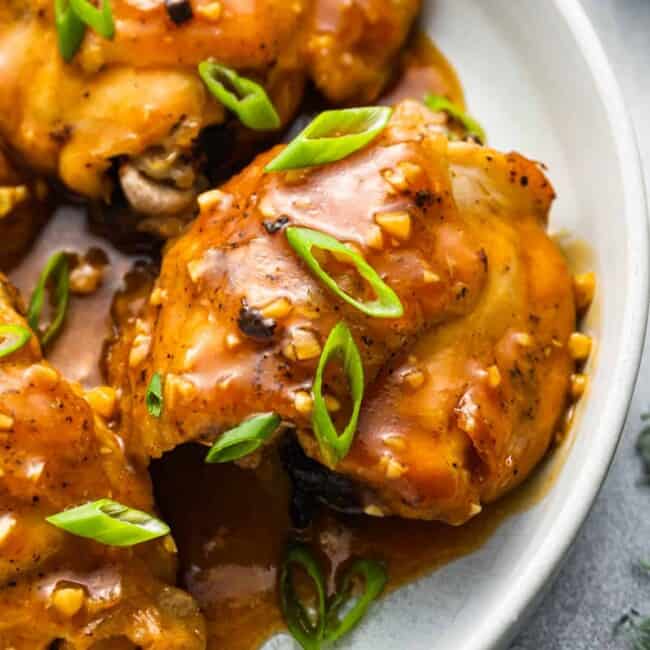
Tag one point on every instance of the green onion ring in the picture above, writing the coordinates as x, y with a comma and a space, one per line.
154, 396
69, 27
387, 304
110, 523
375, 579
303, 629
437, 103
12, 338
56, 268
249, 102
331, 136
101, 20
335, 446
243, 439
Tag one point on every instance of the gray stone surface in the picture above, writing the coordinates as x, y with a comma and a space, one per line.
601, 579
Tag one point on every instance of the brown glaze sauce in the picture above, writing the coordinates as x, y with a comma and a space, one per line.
231, 525
78, 349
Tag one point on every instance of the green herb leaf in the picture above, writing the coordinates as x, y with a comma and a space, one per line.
247, 99
387, 303
57, 270
374, 580
12, 338
335, 446
69, 27
307, 631
244, 439
332, 136
154, 396
438, 103
110, 523
100, 19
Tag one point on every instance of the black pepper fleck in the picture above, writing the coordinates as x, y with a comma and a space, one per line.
254, 325
179, 11
274, 226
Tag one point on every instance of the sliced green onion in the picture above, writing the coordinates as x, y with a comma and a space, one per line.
249, 100
437, 103
69, 27
111, 523
387, 304
154, 396
307, 631
56, 269
340, 622
244, 439
100, 19
335, 446
12, 338
332, 136
324, 624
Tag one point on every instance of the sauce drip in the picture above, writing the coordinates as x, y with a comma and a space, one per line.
231, 527
77, 351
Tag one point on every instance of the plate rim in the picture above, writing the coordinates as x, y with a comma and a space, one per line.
537, 575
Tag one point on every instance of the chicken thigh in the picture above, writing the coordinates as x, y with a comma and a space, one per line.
138, 100
464, 414
236, 322
58, 590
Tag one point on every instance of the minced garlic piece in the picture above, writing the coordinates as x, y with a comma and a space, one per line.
10, 197
332, 404
139, 350
277, 309
68, 600
524, 339
578, 385
394, 469
375, 238
396, 223
494, 376
303, 402
396, 442
373, 510
304, 345
103, 400
584, 286
579, 346
211, 11
430, 277
209, 199
414, 379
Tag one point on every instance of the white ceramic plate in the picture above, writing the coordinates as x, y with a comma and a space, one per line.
536, 75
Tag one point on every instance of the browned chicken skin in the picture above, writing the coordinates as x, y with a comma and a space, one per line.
140, 94
463, 392
57, 453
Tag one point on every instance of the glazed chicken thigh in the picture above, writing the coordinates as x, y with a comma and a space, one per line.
236, 322
58, 590
138, 98
464, 414
463, 392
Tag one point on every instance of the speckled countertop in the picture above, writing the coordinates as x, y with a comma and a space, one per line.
601, 579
